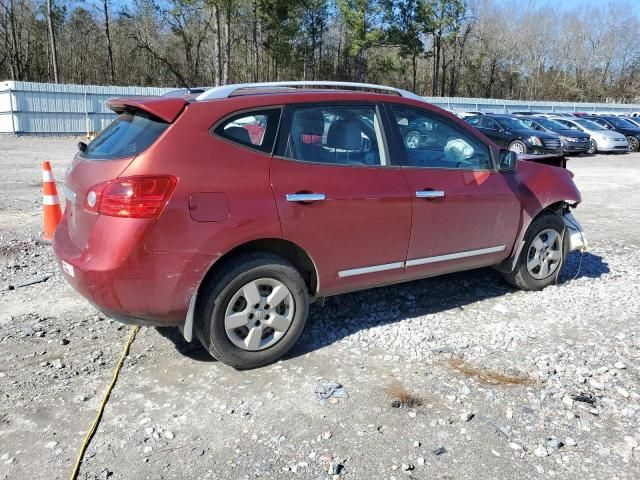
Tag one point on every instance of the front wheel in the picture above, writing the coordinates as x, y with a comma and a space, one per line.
253, 311
634, 143
518, 147
593, 148
412, 139
542, 255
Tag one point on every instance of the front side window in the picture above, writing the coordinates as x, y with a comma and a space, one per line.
132, 132
434, 143
489, 123
252, 129
335, 134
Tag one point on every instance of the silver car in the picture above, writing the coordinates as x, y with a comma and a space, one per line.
602, 140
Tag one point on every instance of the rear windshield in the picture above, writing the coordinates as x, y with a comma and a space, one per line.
129, 134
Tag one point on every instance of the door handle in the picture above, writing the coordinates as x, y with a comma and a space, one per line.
430, 193
305, 197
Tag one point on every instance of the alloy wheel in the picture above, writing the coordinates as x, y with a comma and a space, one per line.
633, 143
517, 147
412, 139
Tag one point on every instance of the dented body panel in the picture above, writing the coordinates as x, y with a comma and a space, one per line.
370, 230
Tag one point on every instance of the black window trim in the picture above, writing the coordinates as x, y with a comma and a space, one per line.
399, 146
249, 111
287, 118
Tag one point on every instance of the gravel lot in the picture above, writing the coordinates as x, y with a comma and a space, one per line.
457, 377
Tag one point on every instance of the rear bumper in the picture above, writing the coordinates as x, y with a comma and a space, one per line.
125, 281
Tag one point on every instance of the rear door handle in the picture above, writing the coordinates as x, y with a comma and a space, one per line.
430, 193
305, 197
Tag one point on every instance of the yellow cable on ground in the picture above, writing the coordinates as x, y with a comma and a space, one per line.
96, 421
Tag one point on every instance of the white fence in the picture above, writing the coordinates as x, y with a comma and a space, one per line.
46, 108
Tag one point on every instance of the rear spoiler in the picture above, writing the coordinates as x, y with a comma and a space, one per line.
165, 108
555, 160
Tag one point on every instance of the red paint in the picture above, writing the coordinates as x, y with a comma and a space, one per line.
227, 195
166, 109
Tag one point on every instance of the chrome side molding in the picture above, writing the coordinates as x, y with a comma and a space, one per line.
420, 261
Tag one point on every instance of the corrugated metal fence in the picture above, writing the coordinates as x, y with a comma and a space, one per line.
46, 108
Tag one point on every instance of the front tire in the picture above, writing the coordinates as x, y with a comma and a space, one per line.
518, 147
634, 143
593, 147
542, 256
252, 311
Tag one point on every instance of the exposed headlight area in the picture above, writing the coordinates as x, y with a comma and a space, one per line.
535, 141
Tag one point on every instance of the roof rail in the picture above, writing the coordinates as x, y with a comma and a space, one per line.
226, 91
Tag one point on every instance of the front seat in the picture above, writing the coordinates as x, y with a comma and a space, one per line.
346, 136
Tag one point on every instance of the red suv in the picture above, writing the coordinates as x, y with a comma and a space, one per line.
227, 212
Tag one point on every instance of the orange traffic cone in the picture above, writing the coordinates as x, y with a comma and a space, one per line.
50, 202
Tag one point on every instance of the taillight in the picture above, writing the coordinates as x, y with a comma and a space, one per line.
131, 197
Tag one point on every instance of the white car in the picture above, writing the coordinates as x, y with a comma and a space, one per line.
602, 140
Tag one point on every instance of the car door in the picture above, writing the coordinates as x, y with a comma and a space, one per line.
338, 195
465, 213
492, 129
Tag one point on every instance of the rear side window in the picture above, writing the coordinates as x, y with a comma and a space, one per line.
128, 135
335, 134
251, 129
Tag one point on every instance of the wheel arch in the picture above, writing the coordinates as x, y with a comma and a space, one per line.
559, 207
285, 249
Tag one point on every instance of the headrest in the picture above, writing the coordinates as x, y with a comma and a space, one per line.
238, 133
345, 135
309, 121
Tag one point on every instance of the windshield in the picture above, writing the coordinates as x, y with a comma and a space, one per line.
550, 124
619, 122
511, 123
629, 122
589, 125
128, 135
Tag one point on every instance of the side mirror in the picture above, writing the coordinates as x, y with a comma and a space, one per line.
82, 146
508, 161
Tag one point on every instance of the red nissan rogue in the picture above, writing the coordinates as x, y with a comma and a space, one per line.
228, 211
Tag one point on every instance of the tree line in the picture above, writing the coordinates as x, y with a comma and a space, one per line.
474, 48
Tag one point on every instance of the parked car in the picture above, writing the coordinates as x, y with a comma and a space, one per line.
602, 140
635, 121
620, 125
511, 133
561, 114
573, 141
527, 112
464, 115
176, 215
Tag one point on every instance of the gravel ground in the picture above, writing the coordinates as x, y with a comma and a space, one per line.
457, 377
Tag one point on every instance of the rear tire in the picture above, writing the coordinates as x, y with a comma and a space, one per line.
543, 253
234, 320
